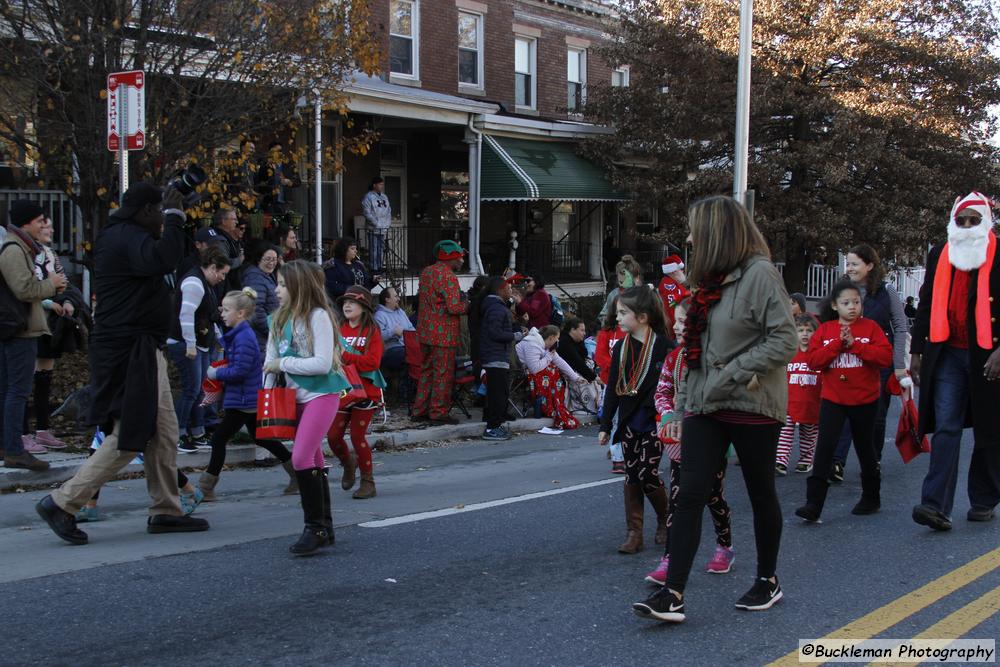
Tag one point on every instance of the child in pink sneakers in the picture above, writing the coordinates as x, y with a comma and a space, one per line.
724, 557
804, 384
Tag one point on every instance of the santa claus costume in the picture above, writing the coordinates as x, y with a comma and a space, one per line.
671, 289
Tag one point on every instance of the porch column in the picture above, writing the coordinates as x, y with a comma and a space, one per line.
474, 141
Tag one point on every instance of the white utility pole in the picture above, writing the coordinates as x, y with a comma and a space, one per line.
743, 104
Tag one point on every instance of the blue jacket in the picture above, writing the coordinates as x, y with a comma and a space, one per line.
496, 330
242, 372
267, 301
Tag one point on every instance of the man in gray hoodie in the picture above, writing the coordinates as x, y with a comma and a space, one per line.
378, 219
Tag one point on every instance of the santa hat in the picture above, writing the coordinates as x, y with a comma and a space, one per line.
979, 203
672, 263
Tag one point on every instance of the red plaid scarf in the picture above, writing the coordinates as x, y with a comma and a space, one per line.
707, 295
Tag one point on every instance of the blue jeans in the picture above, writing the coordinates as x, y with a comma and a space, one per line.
951, 400
187, 405
17, 370
376, 240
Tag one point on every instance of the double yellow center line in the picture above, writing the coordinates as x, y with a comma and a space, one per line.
951, 627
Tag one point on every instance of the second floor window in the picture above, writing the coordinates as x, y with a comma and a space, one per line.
524, 72
576, 79
470, 49
619, 77
403, 38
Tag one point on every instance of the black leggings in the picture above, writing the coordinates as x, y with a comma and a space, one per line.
704, 442
832, 417
232, 422
643, 451
718, 508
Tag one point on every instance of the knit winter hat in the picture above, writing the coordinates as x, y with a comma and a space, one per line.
448, 250
23, 211
672, 263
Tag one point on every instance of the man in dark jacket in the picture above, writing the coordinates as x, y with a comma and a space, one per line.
956, 362
132, 403
497, 333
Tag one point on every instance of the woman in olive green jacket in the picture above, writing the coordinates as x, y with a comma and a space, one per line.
738, 339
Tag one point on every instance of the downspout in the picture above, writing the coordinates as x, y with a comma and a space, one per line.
475, 261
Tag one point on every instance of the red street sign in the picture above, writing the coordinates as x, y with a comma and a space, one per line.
135, 90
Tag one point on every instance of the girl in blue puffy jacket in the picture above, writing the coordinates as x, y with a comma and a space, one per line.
241, 378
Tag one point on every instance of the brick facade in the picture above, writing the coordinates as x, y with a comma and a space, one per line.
556, 23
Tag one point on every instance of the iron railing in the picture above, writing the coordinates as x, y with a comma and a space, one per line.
407, 250
67, 220
565, 260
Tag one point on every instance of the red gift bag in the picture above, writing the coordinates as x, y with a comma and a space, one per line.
357, 392
908, 440
276, 414
212, 389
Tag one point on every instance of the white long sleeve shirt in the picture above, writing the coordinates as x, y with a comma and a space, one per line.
317, 360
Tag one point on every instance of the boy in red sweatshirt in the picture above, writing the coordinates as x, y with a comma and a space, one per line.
803, 403
848, 350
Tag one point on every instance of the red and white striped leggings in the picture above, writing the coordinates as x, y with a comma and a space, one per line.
808, 434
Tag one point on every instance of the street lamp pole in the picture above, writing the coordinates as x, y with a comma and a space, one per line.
743, 105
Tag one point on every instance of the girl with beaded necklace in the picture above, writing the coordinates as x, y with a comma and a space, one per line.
635, 367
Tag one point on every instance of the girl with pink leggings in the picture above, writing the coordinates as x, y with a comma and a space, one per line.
303, 345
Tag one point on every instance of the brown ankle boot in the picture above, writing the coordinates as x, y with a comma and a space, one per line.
293, 482
633, 519
350, 472
658, 499
367, 488
206, 483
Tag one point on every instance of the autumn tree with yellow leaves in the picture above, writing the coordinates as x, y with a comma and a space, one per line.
217, 71
868, 117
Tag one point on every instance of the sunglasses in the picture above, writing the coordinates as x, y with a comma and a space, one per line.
967, 220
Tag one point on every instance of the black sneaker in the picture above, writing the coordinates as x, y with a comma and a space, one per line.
663, 605
201, 442
762, 595
837, 476
186, 446
781, 469
981, 514
168, 523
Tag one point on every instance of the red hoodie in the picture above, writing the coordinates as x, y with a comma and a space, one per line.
602, 355
804, 383
368, 343
850, 375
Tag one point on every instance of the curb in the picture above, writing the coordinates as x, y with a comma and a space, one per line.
64, 466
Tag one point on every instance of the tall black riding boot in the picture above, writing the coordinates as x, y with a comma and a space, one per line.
327, 509
314, 535
871, 494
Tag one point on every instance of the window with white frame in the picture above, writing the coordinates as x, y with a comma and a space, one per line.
576, 79
404, 39
619, 77
470, 49
524, 71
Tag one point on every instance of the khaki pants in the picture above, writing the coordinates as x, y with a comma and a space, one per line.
160, 460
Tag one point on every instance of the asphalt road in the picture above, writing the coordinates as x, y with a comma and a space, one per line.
531, 582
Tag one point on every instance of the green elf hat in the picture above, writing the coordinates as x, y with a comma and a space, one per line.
448, 250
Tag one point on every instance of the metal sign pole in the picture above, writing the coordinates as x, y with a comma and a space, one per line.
122, 141
743, 103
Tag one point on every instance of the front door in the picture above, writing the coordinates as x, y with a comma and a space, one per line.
394, 254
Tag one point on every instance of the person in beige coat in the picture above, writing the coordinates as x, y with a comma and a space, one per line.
22, 321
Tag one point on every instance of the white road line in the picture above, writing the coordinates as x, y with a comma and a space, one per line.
422, 516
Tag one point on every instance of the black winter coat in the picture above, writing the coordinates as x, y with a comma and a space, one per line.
983, 414
496, 330
627, 406
132, 321
575, 354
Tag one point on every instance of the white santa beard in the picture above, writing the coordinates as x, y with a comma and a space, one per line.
967, 246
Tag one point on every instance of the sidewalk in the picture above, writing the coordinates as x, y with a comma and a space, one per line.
64, 466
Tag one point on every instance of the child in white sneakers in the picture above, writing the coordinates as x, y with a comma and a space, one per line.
804, 384
724, 557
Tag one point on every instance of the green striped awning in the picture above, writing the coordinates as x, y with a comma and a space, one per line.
525, 170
